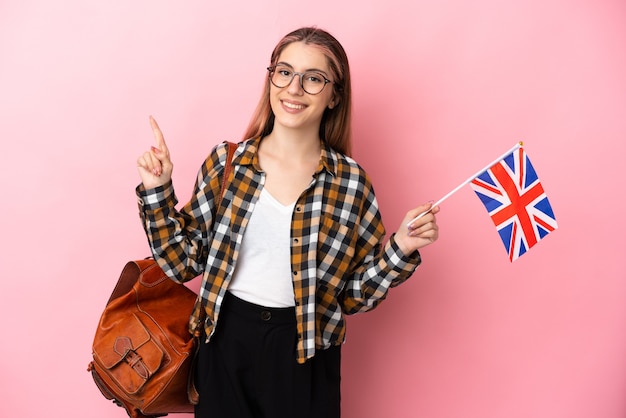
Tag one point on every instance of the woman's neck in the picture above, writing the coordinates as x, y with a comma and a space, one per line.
293, 144
289, 162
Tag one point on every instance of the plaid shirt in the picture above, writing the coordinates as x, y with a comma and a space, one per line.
338, 263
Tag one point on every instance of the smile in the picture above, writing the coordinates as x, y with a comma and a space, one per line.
293, 105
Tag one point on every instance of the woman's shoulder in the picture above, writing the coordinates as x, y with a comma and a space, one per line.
219, 152
347, 166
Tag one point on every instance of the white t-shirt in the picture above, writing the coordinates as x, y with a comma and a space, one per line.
263, 272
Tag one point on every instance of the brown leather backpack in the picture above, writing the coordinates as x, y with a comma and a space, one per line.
143, 351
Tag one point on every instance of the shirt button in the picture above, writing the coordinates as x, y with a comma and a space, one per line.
266, 315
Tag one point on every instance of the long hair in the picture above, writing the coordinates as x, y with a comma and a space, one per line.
335, 128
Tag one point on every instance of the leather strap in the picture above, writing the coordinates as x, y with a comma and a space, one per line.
228, 167
124, 347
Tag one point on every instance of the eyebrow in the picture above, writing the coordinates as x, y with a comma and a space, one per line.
317, 70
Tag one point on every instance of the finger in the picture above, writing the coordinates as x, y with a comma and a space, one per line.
149, 162
145, 161
430, 235
418, 214
429, 231
158, 136
141, 163
420, 227
426, 207
155, 163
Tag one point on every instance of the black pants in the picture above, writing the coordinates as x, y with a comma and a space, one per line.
249, 368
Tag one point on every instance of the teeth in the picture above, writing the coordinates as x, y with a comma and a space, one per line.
293, 106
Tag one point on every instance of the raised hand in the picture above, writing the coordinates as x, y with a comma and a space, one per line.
419, 232
154, 166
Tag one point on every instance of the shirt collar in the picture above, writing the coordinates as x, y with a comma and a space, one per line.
250, 156
328, 160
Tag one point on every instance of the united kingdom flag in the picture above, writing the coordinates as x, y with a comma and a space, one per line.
516, 202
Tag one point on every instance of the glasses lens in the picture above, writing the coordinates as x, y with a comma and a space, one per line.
282, 76
312, 82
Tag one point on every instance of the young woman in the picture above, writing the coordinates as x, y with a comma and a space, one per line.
295, 244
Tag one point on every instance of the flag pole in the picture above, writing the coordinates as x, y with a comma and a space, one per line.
487, 167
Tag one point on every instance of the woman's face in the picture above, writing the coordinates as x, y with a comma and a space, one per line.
293, 107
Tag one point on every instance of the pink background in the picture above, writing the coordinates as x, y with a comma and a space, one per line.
441, 88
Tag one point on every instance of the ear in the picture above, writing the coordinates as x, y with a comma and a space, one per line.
333, 102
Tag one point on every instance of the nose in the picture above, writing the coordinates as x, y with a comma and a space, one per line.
295, 86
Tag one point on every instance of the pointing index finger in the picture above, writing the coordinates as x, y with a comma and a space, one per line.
158, 135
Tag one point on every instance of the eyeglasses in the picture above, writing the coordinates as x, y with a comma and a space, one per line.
311, 82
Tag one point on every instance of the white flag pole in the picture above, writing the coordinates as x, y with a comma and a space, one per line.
487, 167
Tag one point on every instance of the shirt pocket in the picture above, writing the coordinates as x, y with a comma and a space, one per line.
335, 248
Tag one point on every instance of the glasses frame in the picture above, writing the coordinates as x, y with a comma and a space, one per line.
272, 69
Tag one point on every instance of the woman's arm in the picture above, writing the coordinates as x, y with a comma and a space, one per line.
376, 267
178, 239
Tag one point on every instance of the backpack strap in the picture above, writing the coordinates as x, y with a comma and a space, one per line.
228, 167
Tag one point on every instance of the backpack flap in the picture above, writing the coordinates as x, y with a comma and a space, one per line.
130, 357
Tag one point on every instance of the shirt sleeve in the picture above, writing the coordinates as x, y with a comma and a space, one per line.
179, 239
376, 267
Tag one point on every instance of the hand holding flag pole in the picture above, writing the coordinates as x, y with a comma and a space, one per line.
487, 167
